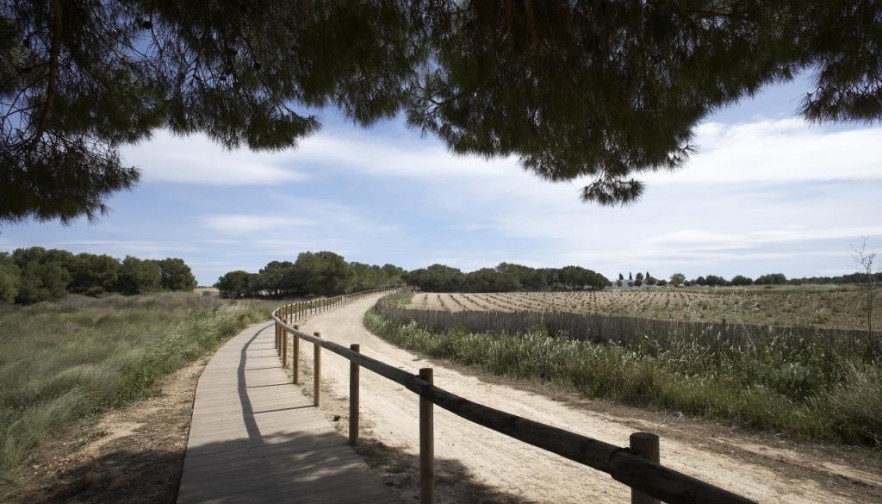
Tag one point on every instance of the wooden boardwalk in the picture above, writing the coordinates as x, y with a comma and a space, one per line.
255, 437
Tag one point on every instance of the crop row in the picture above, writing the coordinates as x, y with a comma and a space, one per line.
824, 308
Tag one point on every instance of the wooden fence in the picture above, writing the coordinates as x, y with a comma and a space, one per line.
636, 465
631, 330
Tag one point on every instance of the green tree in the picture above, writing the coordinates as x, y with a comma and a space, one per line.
10, 279
324, 273
393, 274
235, 284
366, 276
678, 279
638, 280
604, 90
437, 278
771, 279
741, 280
176, 275
94, 274
715, 281
280, 277
138, 276
44, 275
42, 281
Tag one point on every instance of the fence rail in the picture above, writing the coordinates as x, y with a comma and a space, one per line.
635, 466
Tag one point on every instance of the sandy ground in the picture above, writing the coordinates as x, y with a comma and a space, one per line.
474, 464
132, 455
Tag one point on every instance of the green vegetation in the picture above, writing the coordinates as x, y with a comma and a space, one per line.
313, 274
35, 274
505, 277
60, 362
800, 390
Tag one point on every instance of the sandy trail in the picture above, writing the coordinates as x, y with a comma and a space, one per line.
521, 473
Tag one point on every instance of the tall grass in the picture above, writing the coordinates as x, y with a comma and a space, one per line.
806, 392
60, 362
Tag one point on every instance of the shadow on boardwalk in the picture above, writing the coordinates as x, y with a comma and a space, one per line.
131, 476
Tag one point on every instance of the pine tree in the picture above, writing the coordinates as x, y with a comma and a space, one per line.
544, 81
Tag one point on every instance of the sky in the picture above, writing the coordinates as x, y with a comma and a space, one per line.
766, 193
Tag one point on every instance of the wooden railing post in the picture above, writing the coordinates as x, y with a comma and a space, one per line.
284, 347
295, 356
644, 445
427, 445
317, 371
277, 337
353, 396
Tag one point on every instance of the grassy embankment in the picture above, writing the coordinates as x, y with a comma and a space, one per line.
61, 362
800, 390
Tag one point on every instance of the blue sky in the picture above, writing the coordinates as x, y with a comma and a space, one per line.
766, 193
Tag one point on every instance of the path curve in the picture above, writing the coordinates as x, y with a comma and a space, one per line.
522, 473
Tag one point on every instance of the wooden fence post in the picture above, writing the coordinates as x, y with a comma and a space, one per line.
277, 338
284, 347
645, 445
317, 371
353, 397
427, 445
295, 356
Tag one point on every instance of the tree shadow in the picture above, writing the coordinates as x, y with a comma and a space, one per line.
303, 468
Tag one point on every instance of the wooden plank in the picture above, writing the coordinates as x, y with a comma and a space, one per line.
254, 437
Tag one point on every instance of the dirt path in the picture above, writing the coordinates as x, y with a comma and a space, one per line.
475, 464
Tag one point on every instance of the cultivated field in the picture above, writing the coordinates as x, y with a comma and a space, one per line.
830, 308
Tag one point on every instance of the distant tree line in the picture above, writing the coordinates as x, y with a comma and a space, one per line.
504, 278
679, 280
31, 275
640, 280
312, 274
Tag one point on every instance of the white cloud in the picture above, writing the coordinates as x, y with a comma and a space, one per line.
786, 150
195, 159
242, 223
705, 240
377, 154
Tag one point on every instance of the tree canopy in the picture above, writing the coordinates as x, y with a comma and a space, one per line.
505, 277
34, 274
314, 273
601, 89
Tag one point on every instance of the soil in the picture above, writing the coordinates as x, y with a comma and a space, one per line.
475, 464
132, 455
135, 455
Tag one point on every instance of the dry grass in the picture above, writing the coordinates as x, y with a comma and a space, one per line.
60, 362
